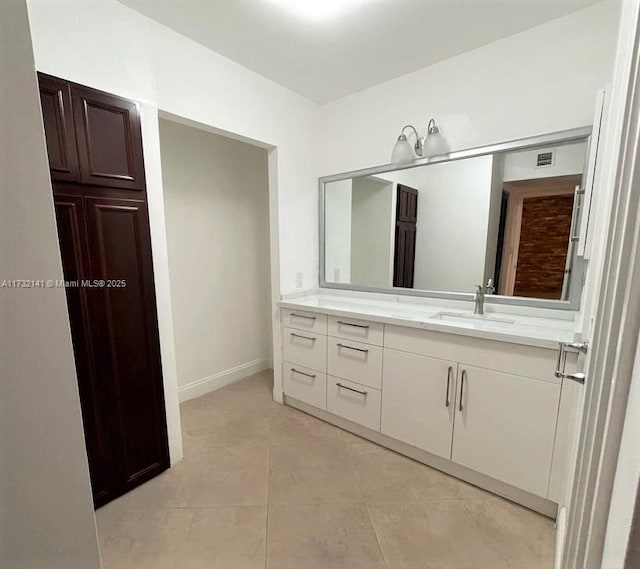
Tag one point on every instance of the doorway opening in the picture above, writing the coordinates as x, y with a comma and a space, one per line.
536, 237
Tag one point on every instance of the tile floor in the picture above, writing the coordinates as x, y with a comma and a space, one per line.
265, 486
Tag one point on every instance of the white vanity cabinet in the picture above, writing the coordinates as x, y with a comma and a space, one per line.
304, 367
481, 409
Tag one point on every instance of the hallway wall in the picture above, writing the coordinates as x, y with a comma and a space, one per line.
217, 213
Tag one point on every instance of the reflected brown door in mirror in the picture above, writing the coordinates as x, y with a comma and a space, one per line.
405, 242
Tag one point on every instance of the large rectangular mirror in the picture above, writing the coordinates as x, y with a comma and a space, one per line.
509, 213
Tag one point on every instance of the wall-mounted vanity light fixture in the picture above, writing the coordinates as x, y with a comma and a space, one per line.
433, 144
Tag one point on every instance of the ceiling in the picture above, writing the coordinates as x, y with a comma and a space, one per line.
325, 56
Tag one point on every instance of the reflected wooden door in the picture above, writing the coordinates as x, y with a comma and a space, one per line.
405, 242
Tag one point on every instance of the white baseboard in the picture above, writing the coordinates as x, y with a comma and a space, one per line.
218, 380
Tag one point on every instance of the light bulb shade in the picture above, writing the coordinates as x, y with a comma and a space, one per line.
402, 151
434, 145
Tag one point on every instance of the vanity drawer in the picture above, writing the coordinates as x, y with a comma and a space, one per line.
516, 359
303, 320
359, 330
305, 384
354, 402
355, 361
306, 349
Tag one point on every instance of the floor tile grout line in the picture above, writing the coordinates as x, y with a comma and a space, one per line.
375, 533
266, 527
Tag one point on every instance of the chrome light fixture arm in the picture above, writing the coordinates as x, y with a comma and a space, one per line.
419, 140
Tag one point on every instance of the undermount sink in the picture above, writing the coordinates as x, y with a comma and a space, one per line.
480, 320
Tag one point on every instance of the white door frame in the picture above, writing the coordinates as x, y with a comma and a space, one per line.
617, 316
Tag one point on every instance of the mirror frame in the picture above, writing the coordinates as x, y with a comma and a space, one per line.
555, 138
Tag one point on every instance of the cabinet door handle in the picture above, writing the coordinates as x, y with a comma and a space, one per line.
311, 375
363, 350
294, 315
354, 325
449, 373
464, 376
301, 336
352, 389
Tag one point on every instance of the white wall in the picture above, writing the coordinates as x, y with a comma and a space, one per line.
538, 81
371, 215
337, 212
217, 214
569, 159
46, 511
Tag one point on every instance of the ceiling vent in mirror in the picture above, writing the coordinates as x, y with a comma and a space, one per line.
544, 159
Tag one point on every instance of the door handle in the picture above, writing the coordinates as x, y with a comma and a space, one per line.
464, 376
449, 373
579, 376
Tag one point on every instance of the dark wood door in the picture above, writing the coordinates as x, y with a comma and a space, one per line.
57, 114
109, 139
95, 395
126, 347
405, 242
95, 156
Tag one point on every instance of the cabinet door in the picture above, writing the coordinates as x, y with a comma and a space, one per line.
95, 396
126, 347
418, 401
109, 139
57, 114
505, 426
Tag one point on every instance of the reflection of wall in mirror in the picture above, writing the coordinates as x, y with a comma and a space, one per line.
338, 231
568, 159
371, 242
452, 227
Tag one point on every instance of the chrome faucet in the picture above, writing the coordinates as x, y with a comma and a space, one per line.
478, 298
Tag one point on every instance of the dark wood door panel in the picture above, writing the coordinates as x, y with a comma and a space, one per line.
405, 243
94, 396
57, 114
127, 340
109, 139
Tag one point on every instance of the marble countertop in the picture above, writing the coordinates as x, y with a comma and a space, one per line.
516, 325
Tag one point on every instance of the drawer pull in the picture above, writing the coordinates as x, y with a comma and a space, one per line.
363, 350
354, 325
294, 315
301, 336
311, 375
449, 374
364, 393
464, 376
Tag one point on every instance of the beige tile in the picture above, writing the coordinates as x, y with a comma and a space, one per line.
226, 476
205, 428
219, 538
312, 474
430, 535
292, 427
385, 476
327, 536
526, 538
